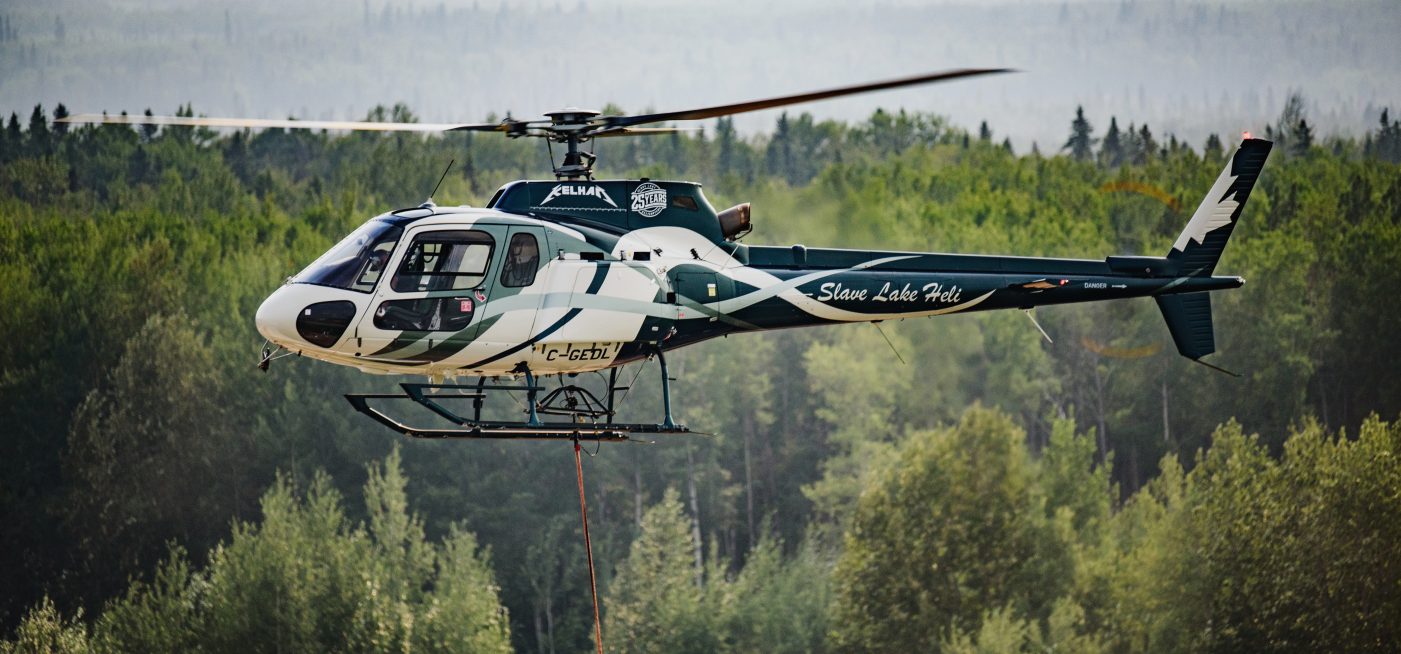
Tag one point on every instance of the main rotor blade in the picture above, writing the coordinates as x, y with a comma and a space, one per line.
640, 131
257, 123
757, 105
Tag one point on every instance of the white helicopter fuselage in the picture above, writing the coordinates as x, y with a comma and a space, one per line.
568, 280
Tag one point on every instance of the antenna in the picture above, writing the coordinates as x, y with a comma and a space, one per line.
1032, 316
876, 324
1216, 368
440, 181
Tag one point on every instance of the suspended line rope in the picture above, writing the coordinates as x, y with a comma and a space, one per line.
588, 547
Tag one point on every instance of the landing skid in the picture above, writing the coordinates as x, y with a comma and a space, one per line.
588, 417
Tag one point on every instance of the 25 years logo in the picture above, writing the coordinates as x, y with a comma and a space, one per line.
648, 200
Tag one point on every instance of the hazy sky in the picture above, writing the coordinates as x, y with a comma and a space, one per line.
1188, 68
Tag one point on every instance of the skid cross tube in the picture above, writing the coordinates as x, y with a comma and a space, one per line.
574, 401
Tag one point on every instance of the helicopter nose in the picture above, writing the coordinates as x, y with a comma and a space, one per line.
277, 317
298, 315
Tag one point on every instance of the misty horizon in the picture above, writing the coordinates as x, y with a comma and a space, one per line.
1187, 69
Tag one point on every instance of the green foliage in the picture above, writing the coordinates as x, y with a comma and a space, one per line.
859, 388
777, 604
1249, 552
1001, 632
656, 603
954, 526
155, 616
305, 579
44, 631
151, 455
1244, 552
660, 602
1072, 482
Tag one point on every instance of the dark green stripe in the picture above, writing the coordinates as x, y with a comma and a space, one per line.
600, 273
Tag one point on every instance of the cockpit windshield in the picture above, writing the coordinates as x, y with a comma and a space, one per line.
358, 261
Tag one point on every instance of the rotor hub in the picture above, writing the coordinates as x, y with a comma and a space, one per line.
571, 116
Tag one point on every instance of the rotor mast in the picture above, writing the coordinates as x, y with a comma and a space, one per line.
569, 126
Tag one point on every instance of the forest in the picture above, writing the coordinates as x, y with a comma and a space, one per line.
967, 486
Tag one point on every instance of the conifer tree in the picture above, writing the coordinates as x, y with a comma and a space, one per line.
1130, 145
1388, 139
12, 139
38, 131
1286, 130
1081, 142
1213, 150
1147, 147
654, 604
725, 144
60, 112
1111, 150
778, 160
148, 130
1303, 138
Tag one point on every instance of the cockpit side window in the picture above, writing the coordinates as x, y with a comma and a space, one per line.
357, 262
444, 261
522, 259
378, 259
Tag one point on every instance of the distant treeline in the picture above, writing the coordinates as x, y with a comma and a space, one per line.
1191, 67
136, 428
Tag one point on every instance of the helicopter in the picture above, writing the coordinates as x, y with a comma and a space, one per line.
580, 275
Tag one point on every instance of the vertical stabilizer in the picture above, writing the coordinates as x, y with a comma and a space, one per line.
1200, 245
